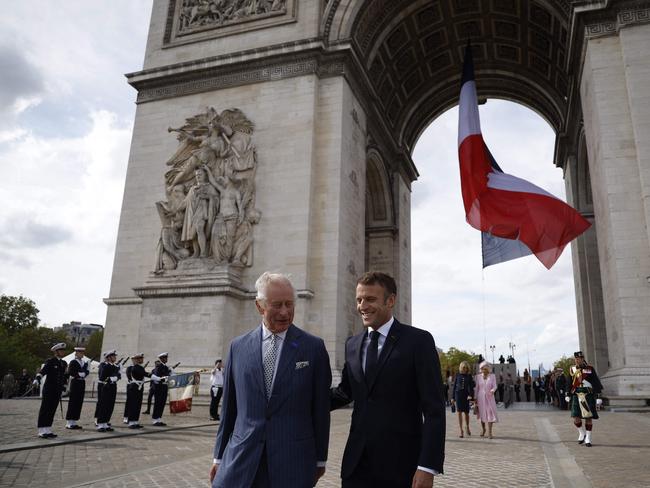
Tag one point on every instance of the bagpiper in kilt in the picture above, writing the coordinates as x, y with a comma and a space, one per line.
135, 375
54, 370
78, 372
109, 376
583, 401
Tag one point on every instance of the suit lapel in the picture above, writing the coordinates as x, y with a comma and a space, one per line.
354, 358
254, 343
386, 350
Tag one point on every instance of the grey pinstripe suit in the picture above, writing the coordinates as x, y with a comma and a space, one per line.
292, 427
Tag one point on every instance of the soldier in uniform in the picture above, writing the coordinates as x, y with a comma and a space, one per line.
159, 376
585, 387
136, 375
54, 368
78, 371
152, 392
108, 377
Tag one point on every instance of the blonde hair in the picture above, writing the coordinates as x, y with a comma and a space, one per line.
463, 366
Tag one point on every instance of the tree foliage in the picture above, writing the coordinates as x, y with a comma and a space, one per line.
17, 313
22, 343
94, 345
565, 363
450, 360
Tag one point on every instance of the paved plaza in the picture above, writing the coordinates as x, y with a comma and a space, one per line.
531, 448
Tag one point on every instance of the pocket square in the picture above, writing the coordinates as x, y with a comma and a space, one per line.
302, 364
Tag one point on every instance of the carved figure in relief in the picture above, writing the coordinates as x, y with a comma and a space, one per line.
195, 14
210, 188
200, 211
170, 248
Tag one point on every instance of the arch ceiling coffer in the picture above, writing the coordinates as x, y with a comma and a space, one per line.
413, 51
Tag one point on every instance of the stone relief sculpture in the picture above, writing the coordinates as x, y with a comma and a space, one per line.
196, 14
210, 188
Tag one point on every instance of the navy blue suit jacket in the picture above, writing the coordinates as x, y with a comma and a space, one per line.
398, 419
293, 425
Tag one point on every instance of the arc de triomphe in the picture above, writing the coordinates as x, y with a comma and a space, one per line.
277, 134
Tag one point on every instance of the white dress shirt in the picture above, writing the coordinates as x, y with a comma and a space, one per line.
216, 378
383, 334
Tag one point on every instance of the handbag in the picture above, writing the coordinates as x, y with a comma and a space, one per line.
453, 408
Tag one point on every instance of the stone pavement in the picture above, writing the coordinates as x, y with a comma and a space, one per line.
531, 448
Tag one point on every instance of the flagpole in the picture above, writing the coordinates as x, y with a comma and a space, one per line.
484, 328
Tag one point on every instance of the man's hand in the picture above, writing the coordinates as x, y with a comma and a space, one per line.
422, 479
213, 471
319, 474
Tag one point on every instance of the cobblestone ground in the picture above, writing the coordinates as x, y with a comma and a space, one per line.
531, 448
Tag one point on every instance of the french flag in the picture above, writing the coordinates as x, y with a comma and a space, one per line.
516, 217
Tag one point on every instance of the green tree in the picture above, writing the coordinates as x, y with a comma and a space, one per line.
94, 345
17, 313
565, 363
450, 360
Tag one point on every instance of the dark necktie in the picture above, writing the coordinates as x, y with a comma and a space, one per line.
371, 355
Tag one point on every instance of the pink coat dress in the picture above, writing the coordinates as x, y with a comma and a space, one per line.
484, 395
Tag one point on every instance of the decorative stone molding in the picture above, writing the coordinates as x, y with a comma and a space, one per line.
196, 20
624, 18
123, 301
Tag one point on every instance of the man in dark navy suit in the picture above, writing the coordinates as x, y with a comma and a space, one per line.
275, 418
392, 373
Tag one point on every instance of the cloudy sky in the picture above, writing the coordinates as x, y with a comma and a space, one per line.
65, 130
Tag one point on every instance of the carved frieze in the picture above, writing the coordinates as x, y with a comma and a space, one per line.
191, 20
209, 214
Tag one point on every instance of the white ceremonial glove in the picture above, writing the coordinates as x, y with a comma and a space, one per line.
567, 399
35, 382
114, 379
82, 375
155, 378
599, 402
171, 371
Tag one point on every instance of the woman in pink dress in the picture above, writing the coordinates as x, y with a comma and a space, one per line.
486, 385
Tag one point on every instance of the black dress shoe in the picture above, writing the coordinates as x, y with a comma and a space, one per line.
146, 412
160, 424
581, 442
101, 429
43, 436
109, 428
51, 435
588, 444
74, 427
135, 426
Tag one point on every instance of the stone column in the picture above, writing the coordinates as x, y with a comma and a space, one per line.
615, 94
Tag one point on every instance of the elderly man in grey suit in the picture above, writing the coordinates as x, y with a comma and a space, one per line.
275, 419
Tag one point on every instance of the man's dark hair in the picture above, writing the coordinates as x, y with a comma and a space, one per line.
387, 282
217, 361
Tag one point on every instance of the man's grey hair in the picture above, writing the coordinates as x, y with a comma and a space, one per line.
263, 282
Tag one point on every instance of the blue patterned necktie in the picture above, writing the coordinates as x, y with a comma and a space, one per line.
269, 364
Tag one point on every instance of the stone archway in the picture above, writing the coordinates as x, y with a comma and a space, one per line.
338, 93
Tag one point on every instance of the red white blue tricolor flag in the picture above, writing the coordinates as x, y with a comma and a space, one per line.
181, 389
516, 217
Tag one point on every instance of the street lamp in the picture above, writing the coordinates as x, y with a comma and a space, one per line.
492, 348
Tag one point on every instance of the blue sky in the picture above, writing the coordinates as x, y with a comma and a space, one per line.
65, 131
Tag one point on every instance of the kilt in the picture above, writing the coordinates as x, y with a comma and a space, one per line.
591, 402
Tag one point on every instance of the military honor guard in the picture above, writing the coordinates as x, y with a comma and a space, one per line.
152, 392
108, 378
136, 375
583, 401
54, 370
78, 371
159, 376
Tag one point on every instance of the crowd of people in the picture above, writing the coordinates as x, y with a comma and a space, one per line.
481, 393
20, 386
